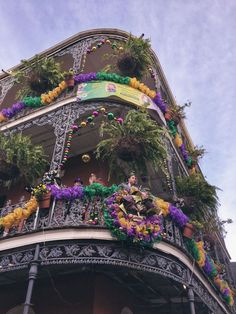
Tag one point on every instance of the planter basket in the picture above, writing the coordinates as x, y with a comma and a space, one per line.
70, 82
39, 84
8, 171
127, 64
128, 151
170, 115
45, 202
188, 231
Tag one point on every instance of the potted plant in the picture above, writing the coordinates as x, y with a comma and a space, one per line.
38, 75
200, 198
130, 145
188, 231
43, 195
191, 227
196, 153
132, 58
69, 78
176, 112
19, 158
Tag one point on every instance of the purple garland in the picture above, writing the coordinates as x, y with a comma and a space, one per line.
160, 103
184, 152
69, 193
11, 112
87, 77
178, 216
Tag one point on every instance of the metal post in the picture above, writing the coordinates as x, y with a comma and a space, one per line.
36, 218
33, 272
191, 300
51, 212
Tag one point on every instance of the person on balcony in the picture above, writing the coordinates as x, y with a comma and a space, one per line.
131, 182
78, 182
93, 179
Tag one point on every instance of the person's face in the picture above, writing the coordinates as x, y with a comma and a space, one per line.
132, 180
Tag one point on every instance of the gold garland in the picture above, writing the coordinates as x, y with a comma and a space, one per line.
19, 213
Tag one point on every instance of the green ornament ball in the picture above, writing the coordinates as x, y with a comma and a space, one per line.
110, 116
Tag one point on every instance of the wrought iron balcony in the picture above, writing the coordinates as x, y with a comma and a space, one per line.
75, 213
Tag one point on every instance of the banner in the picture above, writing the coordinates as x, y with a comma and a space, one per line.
106, 89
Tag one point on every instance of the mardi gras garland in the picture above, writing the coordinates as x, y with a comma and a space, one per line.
14, 218
47, 98
208, 266
133, 216
81, 192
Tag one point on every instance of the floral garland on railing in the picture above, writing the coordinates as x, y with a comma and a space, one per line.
45, 99
207, 264
80, 192
66, 193
133, 216
14, 218
173, 212
32, 102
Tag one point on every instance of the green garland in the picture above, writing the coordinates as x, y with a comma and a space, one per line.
33, 102
97, 189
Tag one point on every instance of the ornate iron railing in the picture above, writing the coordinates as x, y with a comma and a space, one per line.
88, 212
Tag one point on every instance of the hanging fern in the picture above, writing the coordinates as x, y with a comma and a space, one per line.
129, 146
200, 195
19, 158
38, 76
133, 59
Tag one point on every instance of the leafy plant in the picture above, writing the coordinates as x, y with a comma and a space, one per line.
177, 112
197, 225
69, 78
196, 153
19, 158
133, 56
39, 191
129, 146
200, 197
38, 76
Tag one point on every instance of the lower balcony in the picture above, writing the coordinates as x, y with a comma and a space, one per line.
74, 253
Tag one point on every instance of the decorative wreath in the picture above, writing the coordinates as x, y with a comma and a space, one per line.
133, 216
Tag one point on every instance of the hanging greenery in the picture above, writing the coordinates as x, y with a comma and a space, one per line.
19, 158
130, 145
132, 58
38, 76
196, 153
199, 196
177, 112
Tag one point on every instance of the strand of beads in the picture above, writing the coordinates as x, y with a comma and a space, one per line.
89, 121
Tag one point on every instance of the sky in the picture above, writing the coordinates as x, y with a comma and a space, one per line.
195, 43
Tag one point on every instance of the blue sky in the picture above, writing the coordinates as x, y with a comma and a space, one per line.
195, 42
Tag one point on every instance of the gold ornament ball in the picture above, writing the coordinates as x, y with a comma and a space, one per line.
86, 158
103, 109
83, 124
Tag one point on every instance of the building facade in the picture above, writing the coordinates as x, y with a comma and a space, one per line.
64, 258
